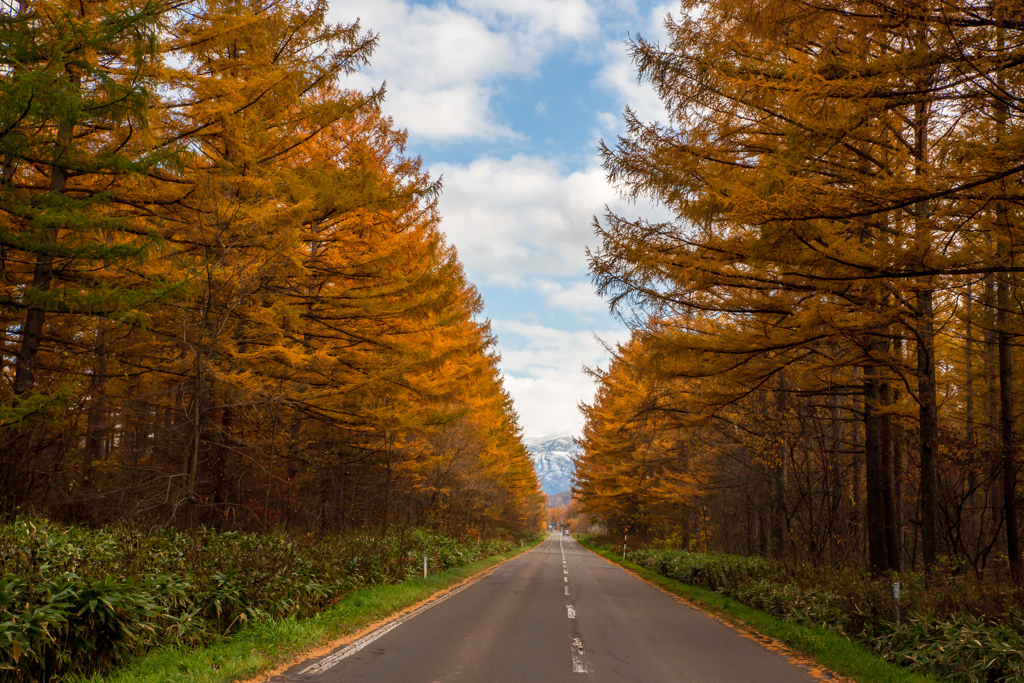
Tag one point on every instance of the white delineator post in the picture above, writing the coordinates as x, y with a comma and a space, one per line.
424, 565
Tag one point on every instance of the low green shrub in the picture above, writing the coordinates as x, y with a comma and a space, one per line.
957, 628
957, 648
75, 600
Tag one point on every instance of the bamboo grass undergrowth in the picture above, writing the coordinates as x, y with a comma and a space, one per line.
827, 648
265, 645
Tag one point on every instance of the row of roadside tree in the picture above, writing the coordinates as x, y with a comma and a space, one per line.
825, 358
226, 296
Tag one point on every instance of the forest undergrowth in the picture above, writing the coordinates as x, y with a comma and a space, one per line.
957, 627
78, 601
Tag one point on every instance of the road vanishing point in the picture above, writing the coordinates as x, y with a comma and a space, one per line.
557, 613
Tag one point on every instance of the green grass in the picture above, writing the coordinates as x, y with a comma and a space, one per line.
829, 649
263, 646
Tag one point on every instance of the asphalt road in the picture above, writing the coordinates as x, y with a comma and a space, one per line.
557, 613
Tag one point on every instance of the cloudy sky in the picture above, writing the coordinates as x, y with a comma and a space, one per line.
507, 100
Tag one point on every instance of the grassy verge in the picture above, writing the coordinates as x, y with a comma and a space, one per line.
829, 649
263, 646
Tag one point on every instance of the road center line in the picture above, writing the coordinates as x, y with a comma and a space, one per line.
571, 611
579, 664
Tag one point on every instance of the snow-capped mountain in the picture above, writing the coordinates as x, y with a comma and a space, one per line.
552, 459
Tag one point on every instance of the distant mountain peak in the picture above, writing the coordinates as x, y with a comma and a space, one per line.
561, 439
552, 459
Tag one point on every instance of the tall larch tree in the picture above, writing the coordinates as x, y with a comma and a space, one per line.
824, 166
75, 85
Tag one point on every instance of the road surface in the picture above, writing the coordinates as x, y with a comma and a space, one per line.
557, 613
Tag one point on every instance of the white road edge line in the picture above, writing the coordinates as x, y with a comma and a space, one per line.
332, 659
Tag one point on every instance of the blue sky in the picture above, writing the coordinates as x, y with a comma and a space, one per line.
507, 102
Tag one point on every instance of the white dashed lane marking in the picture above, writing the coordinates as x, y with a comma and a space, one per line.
579, 664
579, 660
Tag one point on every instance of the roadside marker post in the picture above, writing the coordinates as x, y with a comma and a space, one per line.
896, 595
424, 565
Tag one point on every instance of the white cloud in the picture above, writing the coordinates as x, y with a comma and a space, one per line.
548, 406
656, 20
543, 373
620, 77
577, 297
608, 121
447, 113
521, 219
442, 62
541, 19
548, 347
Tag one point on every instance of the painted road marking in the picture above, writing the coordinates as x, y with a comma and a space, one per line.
330, 660
579, 663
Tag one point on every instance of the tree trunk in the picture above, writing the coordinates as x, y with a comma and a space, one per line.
780, 516
857, 483
928, 416
387, 484
874, 473
191, 470
925, 329
42, 278
270, 472
1004, 283
95, 430
897, 544
888, 472
969, 369
838, 479
1007, 446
